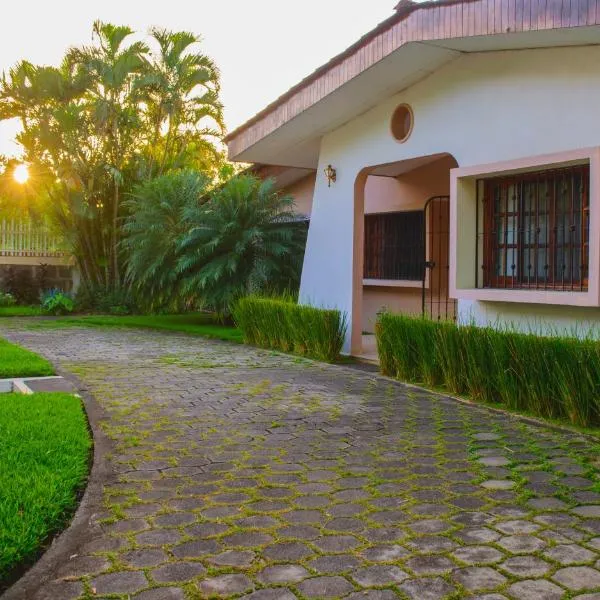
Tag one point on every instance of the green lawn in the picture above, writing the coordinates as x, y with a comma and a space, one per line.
18, 362
20, 311
44, 455
202, 324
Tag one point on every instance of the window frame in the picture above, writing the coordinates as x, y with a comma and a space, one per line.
492, 248
379, 274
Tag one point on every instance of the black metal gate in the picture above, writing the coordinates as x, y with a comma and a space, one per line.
436, 302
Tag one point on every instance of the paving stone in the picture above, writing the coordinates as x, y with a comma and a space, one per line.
432, 544
389, 553
145, 558
248, 539
336, 543
287, 551
525, 566
158, 537
119, 582
163, 593
567, 554
430, 565
379, 575
516, 527
334, 564
233, 558
178, 571
270, 594
195, 549
175, 519
547, 504
521, 544
480, 535
587, 511
225, 585
325, 587
373, 595
578, 579
476, 579
282, 574
535, 590
434, 588
498, 484
474, 555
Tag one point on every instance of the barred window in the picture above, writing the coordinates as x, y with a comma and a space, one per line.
536, 230
394, 245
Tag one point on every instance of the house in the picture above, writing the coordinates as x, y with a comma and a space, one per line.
450, 164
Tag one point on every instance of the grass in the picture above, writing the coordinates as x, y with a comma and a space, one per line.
284, 325
20, 311
557, 378
202, 324
45, 449
18, 362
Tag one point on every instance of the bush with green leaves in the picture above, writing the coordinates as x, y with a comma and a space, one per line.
188, 246
284, 325
100, 299
554, 377
56, 302
162, 212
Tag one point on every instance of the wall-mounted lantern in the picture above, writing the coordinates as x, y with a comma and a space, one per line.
331, 175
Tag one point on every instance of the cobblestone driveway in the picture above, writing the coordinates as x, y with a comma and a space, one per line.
238, 472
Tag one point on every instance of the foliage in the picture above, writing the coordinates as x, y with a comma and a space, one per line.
56, 302
202, 324
113, 114
105, 300
187, 245
18, 362
553, 377
287, 326
45, 448
162, 210
245, 240
7, 299
20, 284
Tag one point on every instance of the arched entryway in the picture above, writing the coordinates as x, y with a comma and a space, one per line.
400, 243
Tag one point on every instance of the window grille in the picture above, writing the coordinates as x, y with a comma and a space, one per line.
394, 246
534, 230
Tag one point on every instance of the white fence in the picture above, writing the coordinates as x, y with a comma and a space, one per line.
23, 238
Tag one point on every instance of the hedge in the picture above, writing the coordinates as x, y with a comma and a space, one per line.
552, 377
284, 325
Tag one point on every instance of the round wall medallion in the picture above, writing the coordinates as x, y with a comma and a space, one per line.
402, 122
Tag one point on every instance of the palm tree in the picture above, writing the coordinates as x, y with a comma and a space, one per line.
181, 90
246, 239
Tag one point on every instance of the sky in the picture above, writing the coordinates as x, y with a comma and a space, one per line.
262, 47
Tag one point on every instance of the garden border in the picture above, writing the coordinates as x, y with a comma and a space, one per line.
82, 527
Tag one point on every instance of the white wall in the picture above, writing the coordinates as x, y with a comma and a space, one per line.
480, 108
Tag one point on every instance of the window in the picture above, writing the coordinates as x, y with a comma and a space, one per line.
402, 122
395, 246
536, 230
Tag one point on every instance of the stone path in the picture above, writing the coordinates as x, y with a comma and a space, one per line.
241, 473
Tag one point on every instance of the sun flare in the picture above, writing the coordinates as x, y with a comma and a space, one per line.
21, 174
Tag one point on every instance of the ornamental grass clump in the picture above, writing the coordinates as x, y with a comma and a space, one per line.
555, 377
284, 325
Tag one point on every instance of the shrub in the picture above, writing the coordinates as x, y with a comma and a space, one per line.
285, 325
552, 377
105, 300
55, 302
20, 284
7, 299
